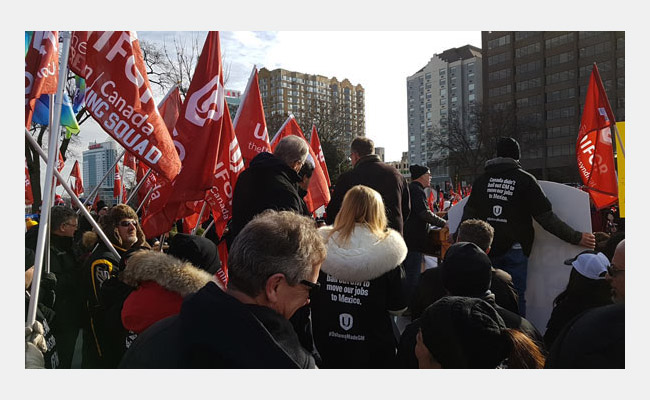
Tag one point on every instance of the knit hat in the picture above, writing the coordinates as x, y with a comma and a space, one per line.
508, 147
417, 171
464, 332
466, 270
199, 251
590, 264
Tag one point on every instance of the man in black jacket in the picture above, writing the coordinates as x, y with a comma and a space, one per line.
273, 265
270, 182
416, 227
370, 171
507, 197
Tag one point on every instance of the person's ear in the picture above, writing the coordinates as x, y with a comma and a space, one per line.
272, 287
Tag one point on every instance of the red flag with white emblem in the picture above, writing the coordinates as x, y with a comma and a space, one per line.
594, 151
318, 193
314, 142
78, 187
29, 197
41, 69
117, 182
250, 124
119, 98
197, 136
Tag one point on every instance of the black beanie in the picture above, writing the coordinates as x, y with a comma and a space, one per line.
417, 171
199, 251
464, 332
508, 147
466, 270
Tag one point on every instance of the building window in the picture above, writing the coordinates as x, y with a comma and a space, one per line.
500, 41
559, 59
528, 50
501, 90
559, 95
524, 35
500, 74
529, 84
564, 112
498, 58
595, 49
559, 40
528, 67
560, 77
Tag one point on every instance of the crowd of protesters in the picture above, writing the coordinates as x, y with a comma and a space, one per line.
302, 294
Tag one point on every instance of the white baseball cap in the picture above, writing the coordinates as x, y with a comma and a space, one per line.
590, 264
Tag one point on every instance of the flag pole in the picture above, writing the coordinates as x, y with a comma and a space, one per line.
198, 222
137, 187
96, 188
143, 200
75, 199
208, 228
43, 227
243, 99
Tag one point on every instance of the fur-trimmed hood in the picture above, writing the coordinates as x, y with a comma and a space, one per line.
169, 272
365, 257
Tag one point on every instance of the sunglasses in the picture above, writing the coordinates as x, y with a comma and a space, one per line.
313, 286
613, 271
127, 223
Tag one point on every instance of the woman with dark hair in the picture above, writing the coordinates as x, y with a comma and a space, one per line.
466, 332
587, 288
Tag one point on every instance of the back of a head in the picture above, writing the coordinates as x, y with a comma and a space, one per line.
274, 242
199, 251
464, 332
363, 205
291, 149
466, 270
508, 147
363, 146
476, 231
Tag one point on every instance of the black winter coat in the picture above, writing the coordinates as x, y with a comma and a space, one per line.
385, 179
215, 330
416, 227
268, 183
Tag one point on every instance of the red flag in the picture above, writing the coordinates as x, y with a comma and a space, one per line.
59, 167
318, 193
459, 191
117, 182
430, 201
197, 136
190, 221
250, 124
124, 196
29, 198
78, 187
170, 108
129, 160
95, 202
147, 185
77, 54
441, 201
41, 69
222, 273
229, 166
119, 97
594, 150
314, 143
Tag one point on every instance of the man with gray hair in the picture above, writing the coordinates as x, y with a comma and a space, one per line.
270, 182
273, 266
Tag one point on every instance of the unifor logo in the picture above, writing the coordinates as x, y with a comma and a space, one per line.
496, 210
206, 103
346, 321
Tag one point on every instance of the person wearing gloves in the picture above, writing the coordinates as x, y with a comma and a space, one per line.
361, 285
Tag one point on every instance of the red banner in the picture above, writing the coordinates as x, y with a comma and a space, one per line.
250, 124
78, 187
441, 201
77, 54
318, 193
119, 98
430, 201
129, 160
41, 69
314, 143
170, 108
117, 182
594, 151
29, 197
229, 166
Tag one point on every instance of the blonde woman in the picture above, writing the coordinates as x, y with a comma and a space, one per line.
360, 285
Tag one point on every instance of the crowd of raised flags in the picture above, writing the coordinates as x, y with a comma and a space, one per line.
187, 155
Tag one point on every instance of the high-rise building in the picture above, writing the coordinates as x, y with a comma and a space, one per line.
380, 152
96, 162
337, 108
542, 78
449, 85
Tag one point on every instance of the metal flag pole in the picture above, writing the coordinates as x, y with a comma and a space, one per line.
198, 222
75, 199
143, 200
137, 187
208, 228
49, 174
243, 98
96, 189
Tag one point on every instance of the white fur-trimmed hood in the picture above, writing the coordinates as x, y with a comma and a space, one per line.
169, 272
365, 257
